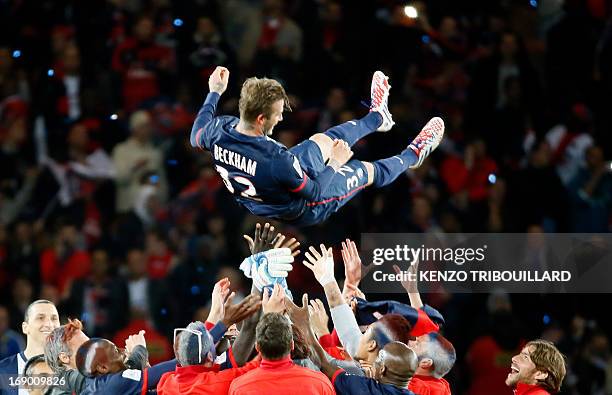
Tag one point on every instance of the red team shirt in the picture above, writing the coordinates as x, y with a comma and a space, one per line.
281, 377
200, 380
527, 389
426, 385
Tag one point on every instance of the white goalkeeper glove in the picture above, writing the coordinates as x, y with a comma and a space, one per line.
268, 267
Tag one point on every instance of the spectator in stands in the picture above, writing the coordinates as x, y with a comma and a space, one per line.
548, 207
148, 298
135, 157
144, 65
11, 342
569, 141
22, 295
99, 299
160, 259
66, 261
591, 194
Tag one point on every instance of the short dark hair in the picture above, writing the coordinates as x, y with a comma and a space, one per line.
39, 301
85, 366
390, 328
35, 360
301, 349
274, 336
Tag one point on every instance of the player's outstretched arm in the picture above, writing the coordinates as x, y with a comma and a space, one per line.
410, 284
217, 84
300, 316
322, 265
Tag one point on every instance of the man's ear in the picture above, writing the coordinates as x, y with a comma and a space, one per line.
292, 345
257, 348
260, 120
426, 364
24, 327
101, 368
383, 370
540, 376
64, 358
209, 358
372, 345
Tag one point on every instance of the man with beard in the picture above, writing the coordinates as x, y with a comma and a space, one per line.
538, 370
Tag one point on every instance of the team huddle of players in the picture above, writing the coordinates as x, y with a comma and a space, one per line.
284, 346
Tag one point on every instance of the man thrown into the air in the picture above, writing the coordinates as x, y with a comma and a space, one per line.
303, 185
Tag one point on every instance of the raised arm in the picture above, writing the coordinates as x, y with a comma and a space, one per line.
410, 284
217, 84
264, 239
322, 265
300, 316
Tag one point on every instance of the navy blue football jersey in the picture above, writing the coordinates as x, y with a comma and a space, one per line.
345, 383
262, 174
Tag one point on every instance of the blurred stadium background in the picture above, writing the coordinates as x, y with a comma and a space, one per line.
106, 210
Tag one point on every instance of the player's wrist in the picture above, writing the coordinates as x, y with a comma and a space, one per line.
334, 164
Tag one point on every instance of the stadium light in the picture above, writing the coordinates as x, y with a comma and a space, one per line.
411, 12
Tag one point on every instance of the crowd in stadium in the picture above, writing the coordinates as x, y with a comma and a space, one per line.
108, 212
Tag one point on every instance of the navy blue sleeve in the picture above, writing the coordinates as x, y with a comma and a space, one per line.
156, 371
217, 331
345, 383
297, 181
8, 367
433, 314
205, 115
127, 382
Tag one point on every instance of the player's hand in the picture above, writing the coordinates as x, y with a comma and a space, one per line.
350, 292
266, 239
292, 244
352, 262
321, 264
340, 152
368, 369
217, 82
299, 315
275, 302
135, 340
409, 285
235, 313
219, 295
318, 317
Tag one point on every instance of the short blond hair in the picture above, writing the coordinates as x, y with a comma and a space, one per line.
257, 96
547, 358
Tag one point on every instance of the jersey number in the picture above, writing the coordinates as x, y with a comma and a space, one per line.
249, 193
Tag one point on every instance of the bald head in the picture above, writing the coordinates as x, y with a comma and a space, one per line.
396, 364
99, 356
